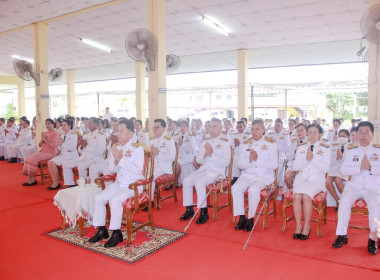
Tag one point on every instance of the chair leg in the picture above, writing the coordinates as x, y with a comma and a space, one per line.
230, 201
108, 214
284, 217
215, 205
320, 218
174, 187
42, 174
129, 227
151, 221
274, 205
158, 196
81, 226
265, 216
324, 211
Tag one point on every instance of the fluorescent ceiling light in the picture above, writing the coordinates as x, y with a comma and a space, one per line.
217, 26
96, 45
23, 58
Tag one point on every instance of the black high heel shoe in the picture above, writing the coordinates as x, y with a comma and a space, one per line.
304, 237
297, 235
52, 189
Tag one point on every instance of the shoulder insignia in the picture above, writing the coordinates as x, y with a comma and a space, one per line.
224, 132
324, 145
167, 137
300, 144
247, 132
151, 138
101, 132
331, 129
294, 139
224, 139
352, 146
269, 139
324, 139
116, 144
335, 144
248, 141
376, 145
136, 145
78, 133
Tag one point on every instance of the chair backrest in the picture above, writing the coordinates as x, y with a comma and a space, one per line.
176, 157
148, 166
229, 167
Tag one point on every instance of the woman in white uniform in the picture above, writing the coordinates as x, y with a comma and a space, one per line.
67, 145
186, 147
312, 163
336, 152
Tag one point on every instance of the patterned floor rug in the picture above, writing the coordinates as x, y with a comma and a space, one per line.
145, 242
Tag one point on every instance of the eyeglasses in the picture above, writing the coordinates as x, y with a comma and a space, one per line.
366, 133
156, 127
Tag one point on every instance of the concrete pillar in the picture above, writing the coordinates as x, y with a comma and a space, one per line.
140, 91
40, 41
21, 98
242, 67
374, 84
70, 81
156, 15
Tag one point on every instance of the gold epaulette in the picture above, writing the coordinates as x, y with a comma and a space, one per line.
77, 133
325, 145
224, 139
351, 146
331, 129
205, 139
376, 145
248, 141
224, 132
335, 144
139, 144
269, 139
324, 139
116, 144
247, 132
167, 137
300, 144
151, 138
101, 132
294, 139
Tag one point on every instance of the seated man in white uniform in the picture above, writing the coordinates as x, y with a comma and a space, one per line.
214, 156
239, 137
127, 160
363, 165
332, 136
142, 137
92, 148
163, 150
24, 138
258, 160
9, 136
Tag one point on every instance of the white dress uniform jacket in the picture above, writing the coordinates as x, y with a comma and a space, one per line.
129, 169
142, 137
255, 175
9, 138
24, 138
185, 154
68, 149
211, 167
336, 164
363, 185
283, 141
311, 177
331, 134
242, 137
291, 152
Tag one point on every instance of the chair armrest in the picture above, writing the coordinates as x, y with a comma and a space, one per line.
100, 181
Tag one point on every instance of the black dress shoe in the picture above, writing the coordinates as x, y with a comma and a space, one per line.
249, 225
13, 160
297, 235
2, 158
203, 217
100, 235
372, 247
242, 222
25, 184
146, 207
115, 239
30, 184
168, 187
340, 241
188, 214
305, 237
52, 189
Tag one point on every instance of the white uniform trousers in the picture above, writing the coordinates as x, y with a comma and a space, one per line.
4, 150
186, 169
116, 195
99, 168
350, 194
82, 165
13, 149
281, 173
60, 159
26, 151
200, 180
254, 187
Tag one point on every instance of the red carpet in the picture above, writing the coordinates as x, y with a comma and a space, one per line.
211, 251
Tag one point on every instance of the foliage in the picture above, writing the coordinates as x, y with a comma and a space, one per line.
343, 104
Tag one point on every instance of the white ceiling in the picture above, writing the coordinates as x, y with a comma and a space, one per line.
268, 28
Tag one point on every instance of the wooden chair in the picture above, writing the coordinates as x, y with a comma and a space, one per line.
166, 180
263, 200
319, 204
139, 201
42, 165
219, 188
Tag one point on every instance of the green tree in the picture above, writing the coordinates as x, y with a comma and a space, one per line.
341, 104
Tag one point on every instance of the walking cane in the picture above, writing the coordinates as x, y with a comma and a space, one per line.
270, 189
213, 185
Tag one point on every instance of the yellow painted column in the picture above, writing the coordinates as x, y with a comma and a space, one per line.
70, 81
41, 69
157, 79
243, 87
140, 91
21, 98
374, 84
